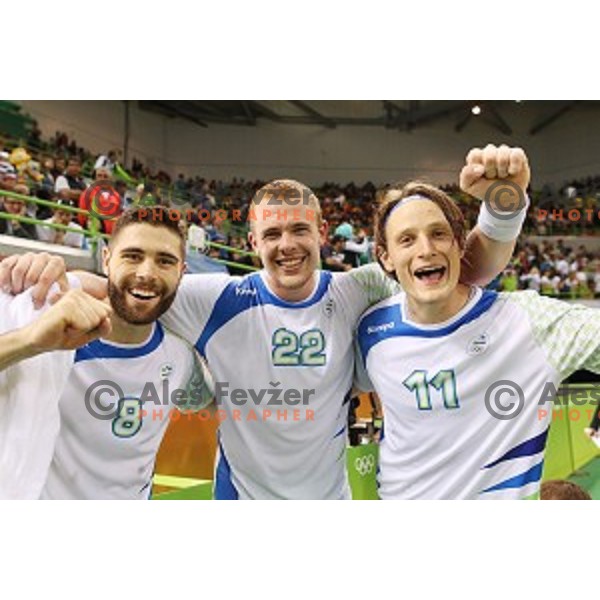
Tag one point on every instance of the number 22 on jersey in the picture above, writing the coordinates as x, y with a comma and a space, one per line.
305, 350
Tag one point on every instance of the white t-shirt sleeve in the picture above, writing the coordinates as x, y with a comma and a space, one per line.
194, 303
29, 394
375, 283
61, 184
361, 378
569, 333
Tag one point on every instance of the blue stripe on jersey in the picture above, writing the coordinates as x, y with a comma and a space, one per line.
99, 349
340, 432
527, 448
224, 488
386, 322
266, 297
520, 480
238, 297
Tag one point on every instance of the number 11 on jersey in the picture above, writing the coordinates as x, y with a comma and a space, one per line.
443, 381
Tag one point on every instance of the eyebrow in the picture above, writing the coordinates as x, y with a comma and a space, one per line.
434, 225
134, 250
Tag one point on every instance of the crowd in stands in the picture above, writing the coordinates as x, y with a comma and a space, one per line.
61, 171
553, 270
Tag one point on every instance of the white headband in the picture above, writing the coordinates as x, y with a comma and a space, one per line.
403, 202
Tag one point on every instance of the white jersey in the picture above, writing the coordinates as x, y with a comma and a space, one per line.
441, 384
29, 393
113, 413
283, 374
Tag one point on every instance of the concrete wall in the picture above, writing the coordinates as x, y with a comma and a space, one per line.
569, 147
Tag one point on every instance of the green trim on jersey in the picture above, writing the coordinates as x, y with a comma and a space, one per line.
568, 333
375, 283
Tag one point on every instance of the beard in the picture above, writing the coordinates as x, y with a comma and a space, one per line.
118, 300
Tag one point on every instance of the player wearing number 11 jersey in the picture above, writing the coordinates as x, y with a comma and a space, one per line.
461, 372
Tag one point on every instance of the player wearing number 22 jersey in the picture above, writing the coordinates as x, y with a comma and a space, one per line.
283, 373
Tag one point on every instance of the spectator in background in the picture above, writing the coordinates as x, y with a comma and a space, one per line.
60, 164
353, 249
332, 254
8, 176
70, 185
101, 198
60, 216
16, 207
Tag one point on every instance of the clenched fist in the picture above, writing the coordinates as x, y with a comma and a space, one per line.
75, 320
492, 166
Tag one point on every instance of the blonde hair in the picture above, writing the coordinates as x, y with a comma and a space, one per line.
291, 192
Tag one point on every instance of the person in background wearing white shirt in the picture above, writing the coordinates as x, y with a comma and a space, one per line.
45, 233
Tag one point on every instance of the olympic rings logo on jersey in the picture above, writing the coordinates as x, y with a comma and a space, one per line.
364, 464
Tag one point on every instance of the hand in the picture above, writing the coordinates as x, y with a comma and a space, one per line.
20, 272
486, 167
590, 432
75, 320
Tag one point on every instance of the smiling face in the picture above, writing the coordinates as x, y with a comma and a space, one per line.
423, 253
287, 236
144, 264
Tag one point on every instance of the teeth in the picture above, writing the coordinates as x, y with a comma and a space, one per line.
427, 270
290, 262
143, 293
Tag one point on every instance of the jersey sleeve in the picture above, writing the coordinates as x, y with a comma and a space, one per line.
193, 304
200, 388
362, 380
569, 333
375, 283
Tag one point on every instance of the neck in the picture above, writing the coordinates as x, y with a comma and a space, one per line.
293, 294
437, 312
125, 333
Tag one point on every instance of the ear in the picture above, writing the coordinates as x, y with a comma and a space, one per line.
253, 240
384, 257
105, 259
323, 232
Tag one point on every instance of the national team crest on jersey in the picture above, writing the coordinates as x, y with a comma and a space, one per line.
329, 307
478, 345
166, 370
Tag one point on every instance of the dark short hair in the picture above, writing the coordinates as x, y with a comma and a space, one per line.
390, 196
157, 216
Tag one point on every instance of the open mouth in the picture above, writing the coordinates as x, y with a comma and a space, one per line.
290, 263
143, 295
430, 275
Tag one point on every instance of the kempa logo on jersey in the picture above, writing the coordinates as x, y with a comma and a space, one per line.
505, 399
382, 328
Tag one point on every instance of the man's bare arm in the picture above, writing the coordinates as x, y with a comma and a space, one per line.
494, 174
484, 258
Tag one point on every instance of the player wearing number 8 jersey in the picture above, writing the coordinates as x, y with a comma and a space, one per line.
461, 371
110, 454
